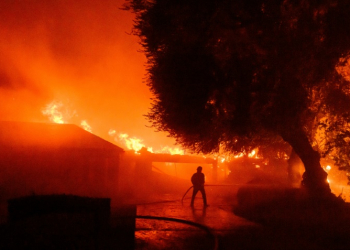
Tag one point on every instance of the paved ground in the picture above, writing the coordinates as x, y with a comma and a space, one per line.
229, 230
163, 234
169, 223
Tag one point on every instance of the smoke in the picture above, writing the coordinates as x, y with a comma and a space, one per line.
80, 53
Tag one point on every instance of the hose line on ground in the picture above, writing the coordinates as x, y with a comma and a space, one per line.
222, 185
191, 223
183, 197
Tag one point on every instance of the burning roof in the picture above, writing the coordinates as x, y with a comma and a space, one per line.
50, 135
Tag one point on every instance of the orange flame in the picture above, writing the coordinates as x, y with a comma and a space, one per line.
252, 154
131, 143
172, 151
86, 126
52, 111
55, 114
136, 144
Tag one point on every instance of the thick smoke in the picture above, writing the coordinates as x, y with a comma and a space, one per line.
80, 53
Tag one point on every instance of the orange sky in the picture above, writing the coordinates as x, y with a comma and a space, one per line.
79, 53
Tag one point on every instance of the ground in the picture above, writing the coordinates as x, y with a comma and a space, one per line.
288, 228
166, 221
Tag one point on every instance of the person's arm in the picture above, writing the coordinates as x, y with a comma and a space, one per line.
203, 179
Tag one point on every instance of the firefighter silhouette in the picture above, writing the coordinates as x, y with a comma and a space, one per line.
198, 180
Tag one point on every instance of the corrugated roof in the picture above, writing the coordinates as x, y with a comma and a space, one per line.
52, 135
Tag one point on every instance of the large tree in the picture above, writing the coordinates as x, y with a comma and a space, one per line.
333, 130
226, 72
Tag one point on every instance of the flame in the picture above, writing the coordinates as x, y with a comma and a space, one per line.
55, 114
251, 154
58, 113
338, 181
131, 143
238, 155
172, 151
136, 144
52, 111
86, 126
327, 168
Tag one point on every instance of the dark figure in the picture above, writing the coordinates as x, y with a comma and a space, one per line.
198, 185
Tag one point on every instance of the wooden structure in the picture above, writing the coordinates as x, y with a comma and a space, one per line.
144, 163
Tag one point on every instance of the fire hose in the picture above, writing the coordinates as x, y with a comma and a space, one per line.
222, 185
183, 197
191, 223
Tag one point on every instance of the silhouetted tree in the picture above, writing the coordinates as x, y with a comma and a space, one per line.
228, 74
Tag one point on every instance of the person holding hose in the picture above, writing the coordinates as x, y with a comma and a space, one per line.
198, 180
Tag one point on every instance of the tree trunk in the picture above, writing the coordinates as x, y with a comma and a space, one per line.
314, 177
295, 167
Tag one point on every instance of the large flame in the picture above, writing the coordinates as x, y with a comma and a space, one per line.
131, 142
57, 113
136, 144
52, 111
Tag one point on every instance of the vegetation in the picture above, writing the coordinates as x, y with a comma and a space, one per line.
231, 75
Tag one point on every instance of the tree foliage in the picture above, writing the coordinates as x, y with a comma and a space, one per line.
231, 74
334, 120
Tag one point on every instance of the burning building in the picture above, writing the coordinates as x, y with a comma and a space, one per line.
47, 158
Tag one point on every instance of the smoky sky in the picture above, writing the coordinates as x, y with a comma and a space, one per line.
80, 53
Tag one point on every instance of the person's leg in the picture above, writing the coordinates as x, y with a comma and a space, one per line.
195, 191
202, 190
